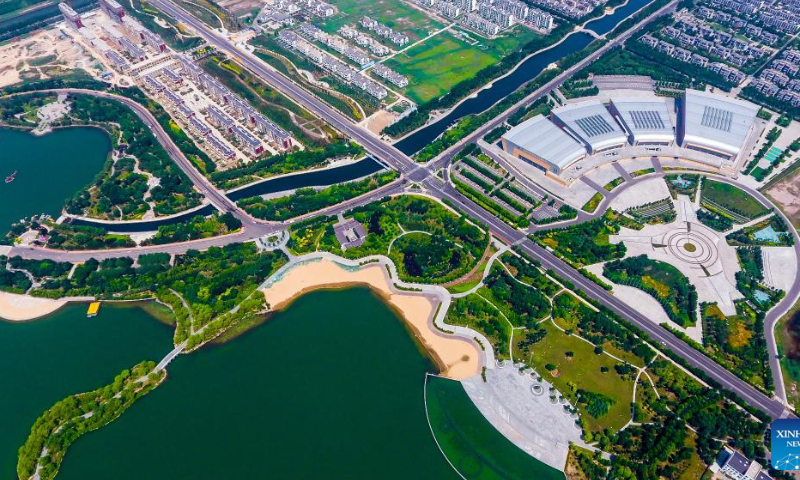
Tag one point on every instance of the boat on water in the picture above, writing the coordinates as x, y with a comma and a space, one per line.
11, 177
94, 307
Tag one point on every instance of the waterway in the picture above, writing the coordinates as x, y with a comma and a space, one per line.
330, 388
50, 169
44, 361
314, 178
525, 72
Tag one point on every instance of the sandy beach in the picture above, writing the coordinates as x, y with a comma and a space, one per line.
457, 358
19, 308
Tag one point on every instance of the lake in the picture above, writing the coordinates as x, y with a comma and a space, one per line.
330, 388
44, 361
50, 168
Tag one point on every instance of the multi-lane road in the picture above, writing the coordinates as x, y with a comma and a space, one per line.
411, 172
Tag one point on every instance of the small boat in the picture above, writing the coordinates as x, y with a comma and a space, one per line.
94, 307
11, 177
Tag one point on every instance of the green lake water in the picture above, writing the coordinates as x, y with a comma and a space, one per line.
44, 361
51, 169
331, 388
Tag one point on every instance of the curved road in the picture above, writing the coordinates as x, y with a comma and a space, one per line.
413, 172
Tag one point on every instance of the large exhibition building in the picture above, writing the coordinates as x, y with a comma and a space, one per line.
538, 141
715, 124
702, 127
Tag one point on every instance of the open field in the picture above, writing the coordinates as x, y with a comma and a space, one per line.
583, 369
441, 62
404, 18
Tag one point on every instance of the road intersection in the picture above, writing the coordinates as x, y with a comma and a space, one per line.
411, 172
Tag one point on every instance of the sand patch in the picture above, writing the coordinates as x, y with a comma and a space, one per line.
44, 54
380, 120
457, 358
22, 307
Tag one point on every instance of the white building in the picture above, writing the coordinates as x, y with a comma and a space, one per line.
739, 467
716, 124
591, 123
541, 143
646, 120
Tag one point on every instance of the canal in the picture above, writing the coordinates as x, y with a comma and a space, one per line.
526, 71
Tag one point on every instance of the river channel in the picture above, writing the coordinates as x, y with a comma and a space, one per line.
526, 71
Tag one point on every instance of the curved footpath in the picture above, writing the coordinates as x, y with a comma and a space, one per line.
425, 175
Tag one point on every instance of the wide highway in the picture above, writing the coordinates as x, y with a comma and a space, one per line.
413, 172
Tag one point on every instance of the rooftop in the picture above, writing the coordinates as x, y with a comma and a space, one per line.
544, 139
647, 119
591, 122
716, 121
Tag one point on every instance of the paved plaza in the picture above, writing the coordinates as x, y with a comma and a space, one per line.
525, 414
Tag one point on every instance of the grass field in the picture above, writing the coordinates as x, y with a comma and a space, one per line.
471, 444
436, 65
397, 15
732, 198
582, 370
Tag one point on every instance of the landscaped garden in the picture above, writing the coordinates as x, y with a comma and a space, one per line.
585, 243
661, 280
730, 201
683, 184
737, 342
427, 242
772, 232
203, 289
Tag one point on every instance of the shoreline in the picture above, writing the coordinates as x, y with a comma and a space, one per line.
455, 357
18, 307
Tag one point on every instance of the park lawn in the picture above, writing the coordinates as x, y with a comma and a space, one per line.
474, 312
475, 279
306, 237
571, 323
733, 199
693, 467
397, 15
583, 372
436, 65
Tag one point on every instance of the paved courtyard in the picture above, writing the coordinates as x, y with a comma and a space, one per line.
529, 419
699, 252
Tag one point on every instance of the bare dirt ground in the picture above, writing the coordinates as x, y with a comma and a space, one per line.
240, 6
786, 194
44, 54
379, 120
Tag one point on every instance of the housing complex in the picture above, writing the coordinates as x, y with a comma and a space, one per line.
780, 79
574, 9
490, 17
227, 127
332, 64
733, 39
